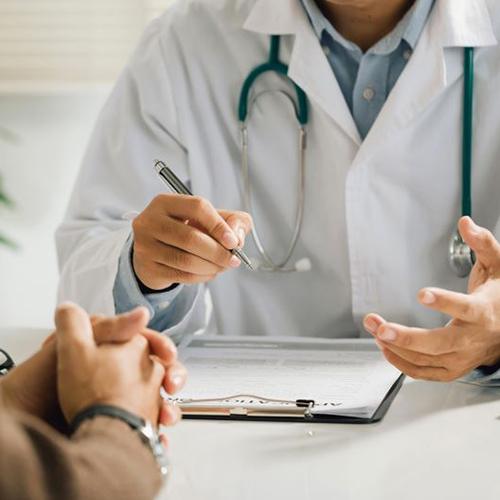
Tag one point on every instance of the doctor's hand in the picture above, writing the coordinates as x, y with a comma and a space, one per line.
184, 239
472, 337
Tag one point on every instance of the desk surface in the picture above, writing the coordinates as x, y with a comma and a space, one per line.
438, 441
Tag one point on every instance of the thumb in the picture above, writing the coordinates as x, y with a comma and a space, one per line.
481, 241
240, 222
73, 331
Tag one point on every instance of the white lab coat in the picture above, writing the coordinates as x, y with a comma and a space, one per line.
378, 214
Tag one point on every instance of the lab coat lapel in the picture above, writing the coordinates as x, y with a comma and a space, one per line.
308, 66
435, 65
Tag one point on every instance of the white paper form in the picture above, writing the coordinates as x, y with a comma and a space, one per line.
342, 376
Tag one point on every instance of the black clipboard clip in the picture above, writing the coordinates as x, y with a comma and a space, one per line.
308, 404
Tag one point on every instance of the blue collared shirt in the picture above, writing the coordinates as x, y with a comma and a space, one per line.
366, 79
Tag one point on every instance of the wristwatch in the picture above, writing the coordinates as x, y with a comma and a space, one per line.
144, 428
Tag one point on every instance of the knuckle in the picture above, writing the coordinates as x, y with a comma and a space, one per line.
201, 205
160, 200
192, 239
181, 260
219, 227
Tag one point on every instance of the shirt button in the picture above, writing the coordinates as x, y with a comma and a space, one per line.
407, 55
368, 94
326, 50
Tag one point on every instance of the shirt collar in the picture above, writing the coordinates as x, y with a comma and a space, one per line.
408, 29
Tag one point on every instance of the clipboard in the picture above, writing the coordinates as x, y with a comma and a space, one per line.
302, 413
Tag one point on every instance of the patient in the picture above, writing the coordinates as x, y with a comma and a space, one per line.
96, 381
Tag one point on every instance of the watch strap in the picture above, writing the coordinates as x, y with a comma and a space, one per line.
134, 421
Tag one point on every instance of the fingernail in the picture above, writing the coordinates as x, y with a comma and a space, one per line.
371, 325
229, 239
387, 335
178, 381
428, 297
234, 261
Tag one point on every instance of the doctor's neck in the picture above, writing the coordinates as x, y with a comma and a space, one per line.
364, 22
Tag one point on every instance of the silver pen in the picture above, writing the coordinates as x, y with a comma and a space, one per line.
176, 185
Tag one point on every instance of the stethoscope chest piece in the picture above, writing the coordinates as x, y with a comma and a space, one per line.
461, 256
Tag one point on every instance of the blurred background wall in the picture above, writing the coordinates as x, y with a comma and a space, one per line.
58, 60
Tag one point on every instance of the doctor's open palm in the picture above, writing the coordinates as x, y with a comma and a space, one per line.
184, 239
471, 339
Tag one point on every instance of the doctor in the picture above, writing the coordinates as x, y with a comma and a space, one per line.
383, 82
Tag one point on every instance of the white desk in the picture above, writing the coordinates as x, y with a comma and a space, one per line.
438, 441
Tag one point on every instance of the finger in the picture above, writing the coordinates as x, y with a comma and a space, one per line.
437, 341
183, 261
481, 241
73, 332
138, 351
199, 209
51, 338
169, 414
171, 232
240, 222
162, 347
372, 322
468, 308
157, 373
416, 372
164, 440
122, 327
420, 359
175, 378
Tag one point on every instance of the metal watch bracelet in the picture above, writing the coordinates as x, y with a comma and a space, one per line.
145, 429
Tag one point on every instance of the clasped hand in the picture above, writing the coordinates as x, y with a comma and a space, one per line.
115, 361
470, 340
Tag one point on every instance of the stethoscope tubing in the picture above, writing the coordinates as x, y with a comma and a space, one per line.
461, 257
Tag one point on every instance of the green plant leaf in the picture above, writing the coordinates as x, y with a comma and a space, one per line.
4, 241
5, 200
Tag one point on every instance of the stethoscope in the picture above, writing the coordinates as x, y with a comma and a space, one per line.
460, 255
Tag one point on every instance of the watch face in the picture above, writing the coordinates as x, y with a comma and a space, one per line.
6, 362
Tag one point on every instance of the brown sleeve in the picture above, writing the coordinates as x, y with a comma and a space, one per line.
105, 459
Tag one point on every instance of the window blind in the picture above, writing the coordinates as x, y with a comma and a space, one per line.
68, 42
